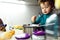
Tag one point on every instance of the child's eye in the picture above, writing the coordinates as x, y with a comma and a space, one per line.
42, 8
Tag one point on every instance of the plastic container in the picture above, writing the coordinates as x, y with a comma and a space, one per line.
24, 36
38, 35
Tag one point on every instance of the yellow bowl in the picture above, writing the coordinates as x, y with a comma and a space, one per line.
18, 27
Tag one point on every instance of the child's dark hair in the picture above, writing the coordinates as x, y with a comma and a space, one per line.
51, 2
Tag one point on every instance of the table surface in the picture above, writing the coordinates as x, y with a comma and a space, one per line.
36, 25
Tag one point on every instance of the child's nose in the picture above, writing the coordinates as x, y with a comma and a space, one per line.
44, 10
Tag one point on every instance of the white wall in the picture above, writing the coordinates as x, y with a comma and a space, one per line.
14, 14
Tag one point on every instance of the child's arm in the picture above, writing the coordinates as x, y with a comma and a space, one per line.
33, 19
36, 20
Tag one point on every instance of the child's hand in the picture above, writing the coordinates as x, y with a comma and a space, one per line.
33, 19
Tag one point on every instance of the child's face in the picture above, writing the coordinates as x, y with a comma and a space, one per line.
2, 28
46, 7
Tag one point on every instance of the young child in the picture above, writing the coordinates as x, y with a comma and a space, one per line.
2, 26
47, 15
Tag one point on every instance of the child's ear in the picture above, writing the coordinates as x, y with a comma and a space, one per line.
53, 8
